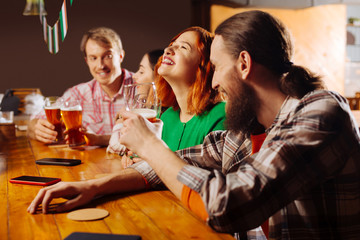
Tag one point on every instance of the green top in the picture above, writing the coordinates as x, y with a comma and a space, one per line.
178, 135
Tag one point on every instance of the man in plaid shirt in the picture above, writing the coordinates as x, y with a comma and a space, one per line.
305, 178
102, 97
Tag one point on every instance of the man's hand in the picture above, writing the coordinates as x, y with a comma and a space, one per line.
95, 139
42, 130
79, 194
138, 133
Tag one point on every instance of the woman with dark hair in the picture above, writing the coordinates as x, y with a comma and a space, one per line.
145, 73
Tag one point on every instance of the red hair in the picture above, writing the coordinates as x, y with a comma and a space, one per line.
201, 96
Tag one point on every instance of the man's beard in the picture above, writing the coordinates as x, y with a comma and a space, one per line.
240, 112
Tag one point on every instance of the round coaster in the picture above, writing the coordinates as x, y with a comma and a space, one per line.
87, 214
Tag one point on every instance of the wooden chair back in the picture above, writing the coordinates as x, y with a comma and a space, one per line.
21, 93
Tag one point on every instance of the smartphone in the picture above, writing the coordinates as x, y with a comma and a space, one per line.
102, 236
58, 161
35, 180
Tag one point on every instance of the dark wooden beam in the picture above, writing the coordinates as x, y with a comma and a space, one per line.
200, 15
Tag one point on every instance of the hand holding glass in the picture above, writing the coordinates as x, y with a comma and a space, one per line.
71, 112
52, 110
141, 98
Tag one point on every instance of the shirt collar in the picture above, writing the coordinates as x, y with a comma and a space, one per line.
99, 93
286, 108
127, 79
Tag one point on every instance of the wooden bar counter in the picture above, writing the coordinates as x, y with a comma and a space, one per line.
152, 214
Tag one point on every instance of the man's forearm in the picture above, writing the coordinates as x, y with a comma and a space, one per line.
127, 180
166, 164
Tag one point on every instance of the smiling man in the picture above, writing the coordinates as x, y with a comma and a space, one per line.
102, 97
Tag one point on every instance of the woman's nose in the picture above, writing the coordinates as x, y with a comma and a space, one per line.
169, 50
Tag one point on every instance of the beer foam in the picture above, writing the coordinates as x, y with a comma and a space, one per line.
145, 112
52, 108
74, 108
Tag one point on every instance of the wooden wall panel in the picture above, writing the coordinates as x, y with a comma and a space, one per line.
319, 36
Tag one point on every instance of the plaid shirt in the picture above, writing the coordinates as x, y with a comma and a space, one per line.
99, 110
305, 178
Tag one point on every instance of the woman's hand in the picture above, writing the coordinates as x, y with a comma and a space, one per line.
114, 143
129, 159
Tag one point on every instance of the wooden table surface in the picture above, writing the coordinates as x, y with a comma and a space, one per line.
152, 214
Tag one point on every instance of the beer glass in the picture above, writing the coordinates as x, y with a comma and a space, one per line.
142, 99
71, 112
52, 110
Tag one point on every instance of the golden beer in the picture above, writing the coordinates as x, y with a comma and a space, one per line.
72, 119
149, 114
53, 115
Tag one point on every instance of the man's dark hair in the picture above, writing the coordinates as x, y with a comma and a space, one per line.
268, 42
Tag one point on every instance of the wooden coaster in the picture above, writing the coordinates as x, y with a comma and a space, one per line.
88, 214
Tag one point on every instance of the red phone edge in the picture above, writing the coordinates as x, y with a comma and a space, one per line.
35, 183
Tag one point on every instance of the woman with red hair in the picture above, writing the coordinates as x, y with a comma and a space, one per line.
183, 79
183, 76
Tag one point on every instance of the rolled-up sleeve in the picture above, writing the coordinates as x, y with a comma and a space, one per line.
148, 173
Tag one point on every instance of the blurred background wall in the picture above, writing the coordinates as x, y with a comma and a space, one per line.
26, 63
319, 34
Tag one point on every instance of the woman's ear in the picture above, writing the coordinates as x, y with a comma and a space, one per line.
244, 64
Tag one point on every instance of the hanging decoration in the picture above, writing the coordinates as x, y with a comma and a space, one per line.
51, 33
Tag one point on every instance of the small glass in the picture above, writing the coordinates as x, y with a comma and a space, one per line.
71, 112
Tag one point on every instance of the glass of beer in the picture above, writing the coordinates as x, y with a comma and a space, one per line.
71, 112
52, 110
142, 99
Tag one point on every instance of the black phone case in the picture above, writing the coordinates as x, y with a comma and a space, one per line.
58, 161
102, 236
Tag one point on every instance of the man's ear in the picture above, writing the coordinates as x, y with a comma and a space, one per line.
85, 58
244, 64
122, 55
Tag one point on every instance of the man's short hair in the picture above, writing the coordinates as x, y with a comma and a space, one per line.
104, 35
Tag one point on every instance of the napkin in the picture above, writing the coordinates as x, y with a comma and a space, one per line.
114, 143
